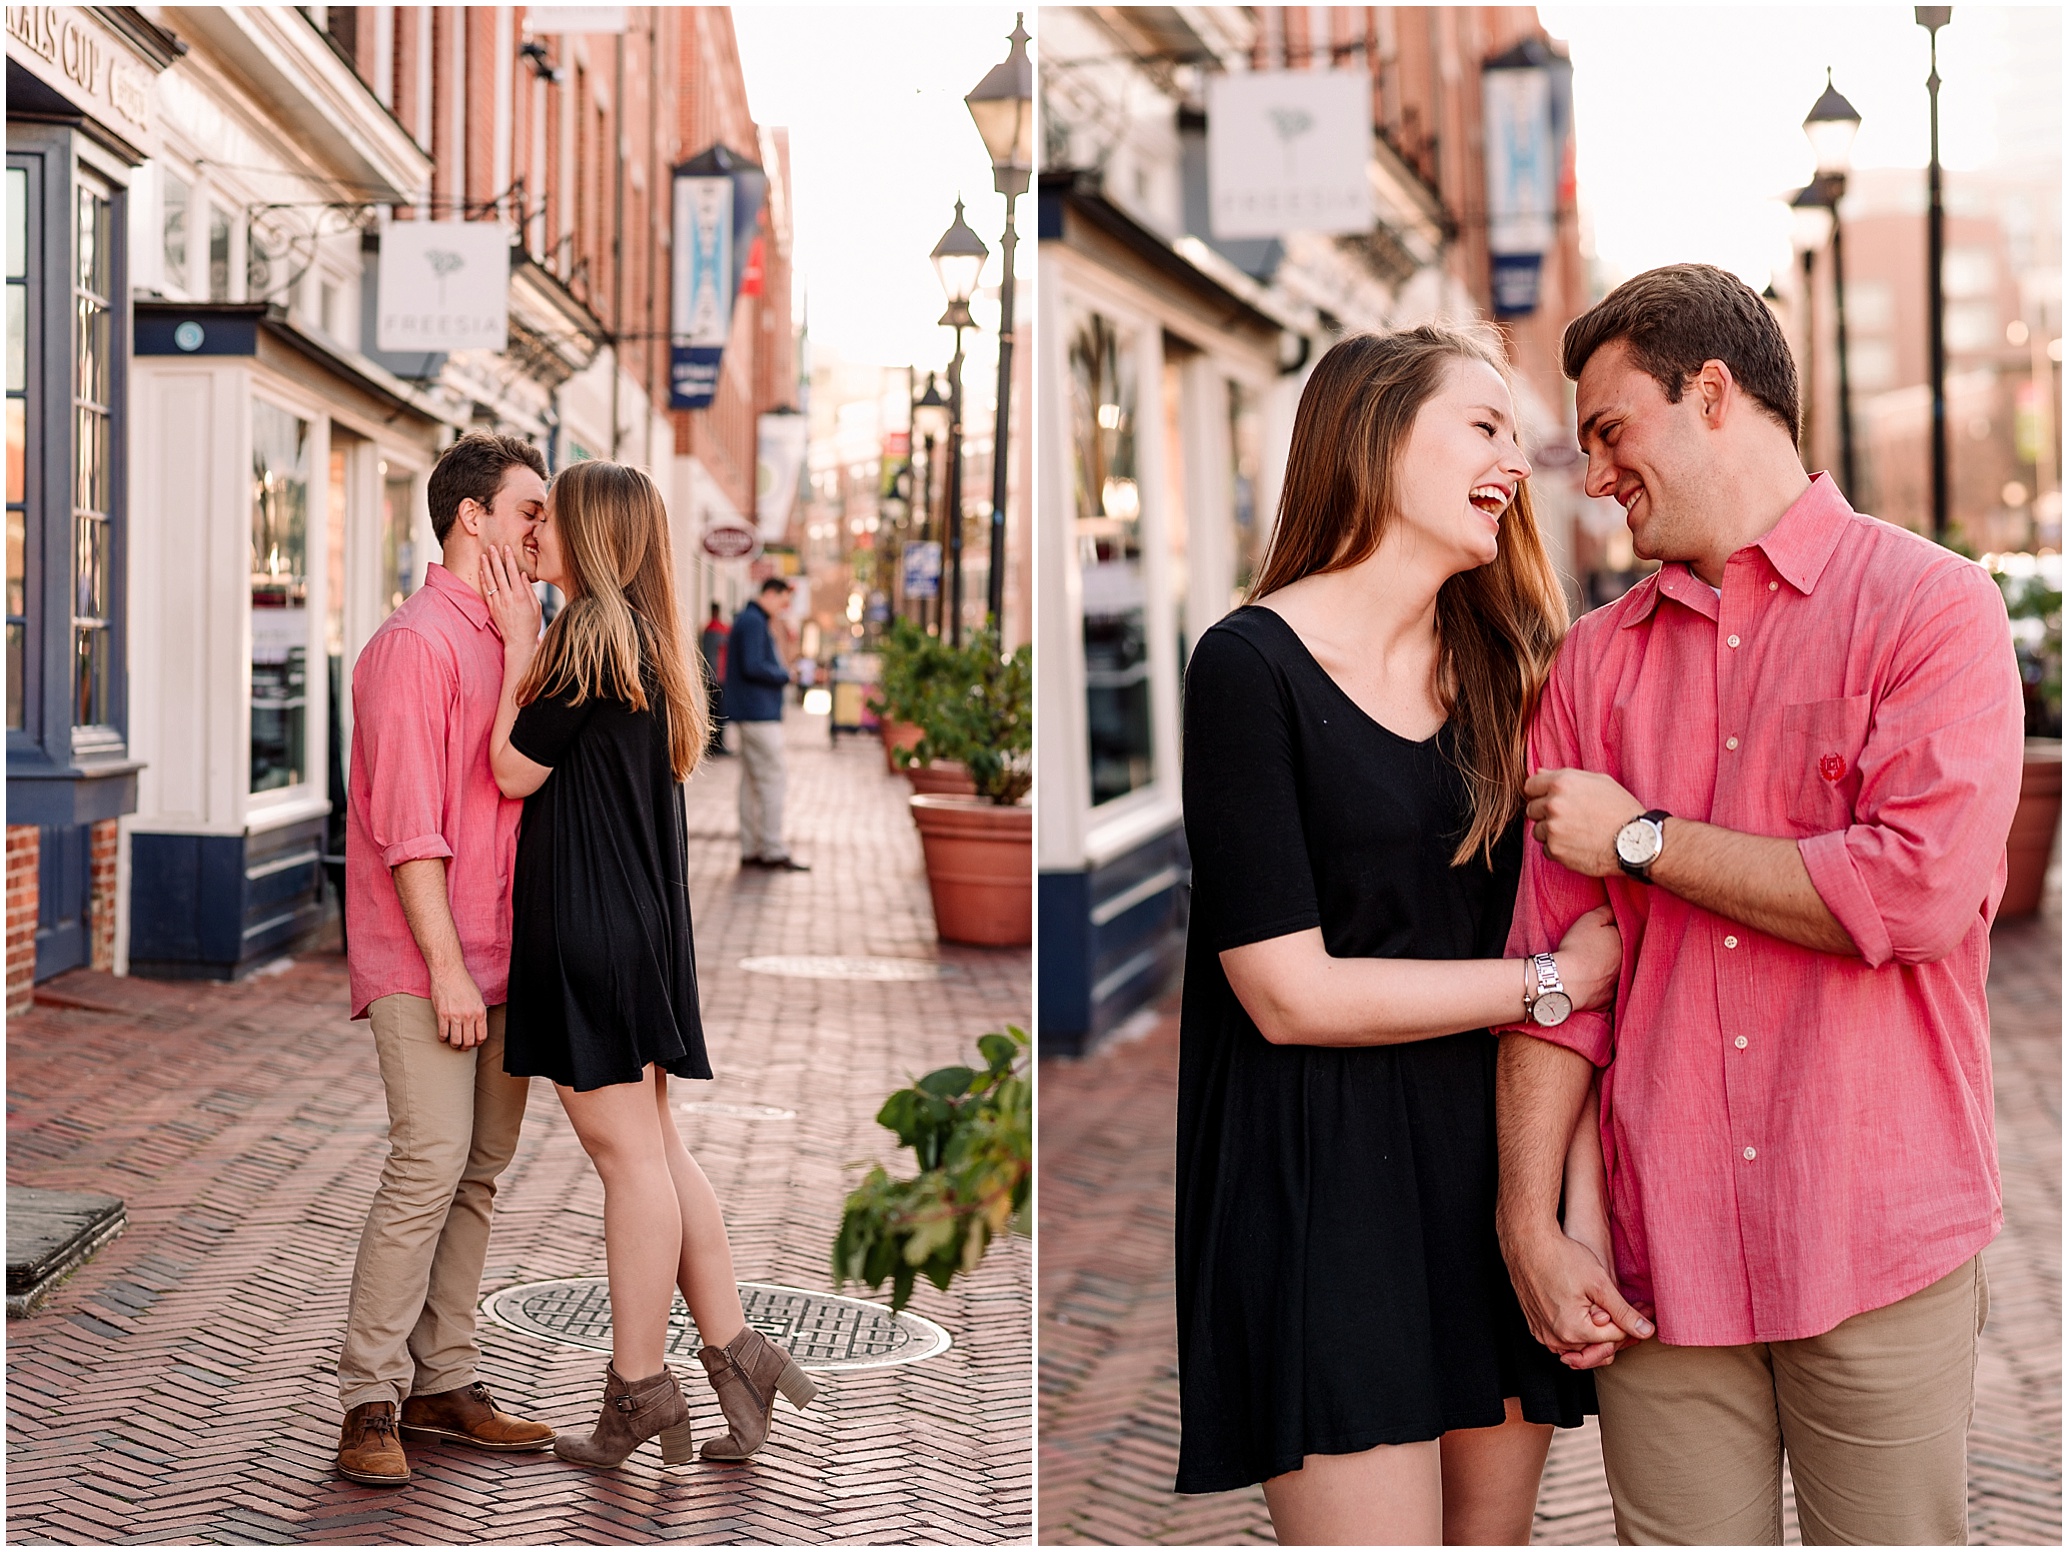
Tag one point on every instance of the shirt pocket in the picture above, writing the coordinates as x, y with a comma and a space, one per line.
1819, 774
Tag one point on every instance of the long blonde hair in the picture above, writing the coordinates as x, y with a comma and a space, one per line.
621, 607
1499, 625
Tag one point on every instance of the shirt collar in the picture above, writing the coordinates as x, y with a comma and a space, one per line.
464, 598
1797, 547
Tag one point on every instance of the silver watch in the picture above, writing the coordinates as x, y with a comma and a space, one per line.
1545, 999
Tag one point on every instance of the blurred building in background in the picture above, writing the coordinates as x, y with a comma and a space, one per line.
216, 472
1190, 278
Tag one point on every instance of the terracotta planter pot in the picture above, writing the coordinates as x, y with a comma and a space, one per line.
944, 776
898, 735
980, 867
2031, 844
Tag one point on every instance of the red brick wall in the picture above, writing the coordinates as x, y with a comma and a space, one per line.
24, 858
101, 911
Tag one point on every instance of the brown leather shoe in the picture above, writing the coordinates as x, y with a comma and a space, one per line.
367, 1449
469, 1416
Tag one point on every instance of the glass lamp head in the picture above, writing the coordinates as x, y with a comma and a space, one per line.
1831, 126
958, 258
1003, 107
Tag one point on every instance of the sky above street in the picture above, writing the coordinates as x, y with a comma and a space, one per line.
880, 146
1689, 118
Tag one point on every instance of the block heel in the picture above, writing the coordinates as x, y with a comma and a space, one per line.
678, 1445
798, 1388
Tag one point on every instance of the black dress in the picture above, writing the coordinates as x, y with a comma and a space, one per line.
602, 974
1339, 1281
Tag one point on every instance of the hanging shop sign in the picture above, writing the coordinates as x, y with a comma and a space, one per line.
782, 436
728, 538
443, 285
717, 209
1288, 151
923, 568
1526, 96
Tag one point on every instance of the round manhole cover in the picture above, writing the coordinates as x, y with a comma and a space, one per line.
823, 1331
844, 967
719, 1107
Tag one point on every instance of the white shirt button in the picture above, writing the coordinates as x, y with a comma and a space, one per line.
1741, 1042
1773, 587
1730, 743
1730, 942
1731, 640
1751, 1153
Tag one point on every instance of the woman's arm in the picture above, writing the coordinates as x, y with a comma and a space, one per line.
514, 609
1298, 994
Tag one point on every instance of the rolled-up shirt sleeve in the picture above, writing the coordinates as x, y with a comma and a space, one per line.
1939, 777
404, 696
1551, 896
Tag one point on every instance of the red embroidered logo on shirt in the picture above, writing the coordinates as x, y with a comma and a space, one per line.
1833, 767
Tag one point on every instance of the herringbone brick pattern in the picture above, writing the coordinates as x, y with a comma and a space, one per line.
180, 1388
1108, 1379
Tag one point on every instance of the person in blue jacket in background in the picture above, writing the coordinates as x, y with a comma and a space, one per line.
755, 678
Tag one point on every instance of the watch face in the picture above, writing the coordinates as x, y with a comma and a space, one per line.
1551, 1008
1637, 843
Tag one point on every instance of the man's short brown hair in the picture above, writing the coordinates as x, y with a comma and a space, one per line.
1675, 318
472, 470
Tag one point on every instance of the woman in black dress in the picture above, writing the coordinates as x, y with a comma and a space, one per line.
1354, 746
601, 720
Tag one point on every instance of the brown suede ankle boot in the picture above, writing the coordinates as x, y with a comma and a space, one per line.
367, 1448
747, 1372
632, 1414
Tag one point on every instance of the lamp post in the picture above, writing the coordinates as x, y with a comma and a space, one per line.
930, 420
1003, 107
1931, 18
1813, 218
1830, 128
958, 258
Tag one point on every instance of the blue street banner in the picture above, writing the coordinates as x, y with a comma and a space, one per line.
717, 212
1526, 99
923, 568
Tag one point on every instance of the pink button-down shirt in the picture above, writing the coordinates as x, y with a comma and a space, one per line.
424, 698
1793, 1137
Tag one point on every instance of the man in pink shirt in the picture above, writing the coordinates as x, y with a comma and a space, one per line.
1788, 761
429, 845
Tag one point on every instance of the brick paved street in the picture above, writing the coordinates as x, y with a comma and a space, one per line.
180, 1387
1109, 1396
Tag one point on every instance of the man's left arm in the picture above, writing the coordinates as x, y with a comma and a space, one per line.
1938, 783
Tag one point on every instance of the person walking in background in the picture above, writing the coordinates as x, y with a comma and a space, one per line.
428, 849
711, 646
598, 725
755, 678
1788, 762
1347, 1334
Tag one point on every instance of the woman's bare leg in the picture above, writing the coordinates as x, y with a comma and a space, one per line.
642, 1225
1490, 1478
1388, 1496
705, 1273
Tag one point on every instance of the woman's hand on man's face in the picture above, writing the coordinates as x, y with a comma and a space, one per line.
513, 607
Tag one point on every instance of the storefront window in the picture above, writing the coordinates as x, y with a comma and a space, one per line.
218, 254
1245, 455
398, 546
93, 558
279, 597
17, 439
1110, 560
176, 200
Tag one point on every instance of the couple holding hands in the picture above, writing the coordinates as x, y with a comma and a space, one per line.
516, 879
1717, 865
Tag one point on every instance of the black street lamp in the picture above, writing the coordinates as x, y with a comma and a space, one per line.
1003, 107
930, 421
1813, 217
1830, 128
958, 258
1931, 18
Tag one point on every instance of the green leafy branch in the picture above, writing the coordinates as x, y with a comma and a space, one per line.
972, 1132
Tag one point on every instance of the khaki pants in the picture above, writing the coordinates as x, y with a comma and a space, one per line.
453, 1118
761, 790
1873, 1416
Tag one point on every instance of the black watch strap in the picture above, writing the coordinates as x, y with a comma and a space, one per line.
1657, 816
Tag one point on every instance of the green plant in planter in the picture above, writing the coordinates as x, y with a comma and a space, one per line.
912, 662
980, 713
973, 1134
2039, 650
